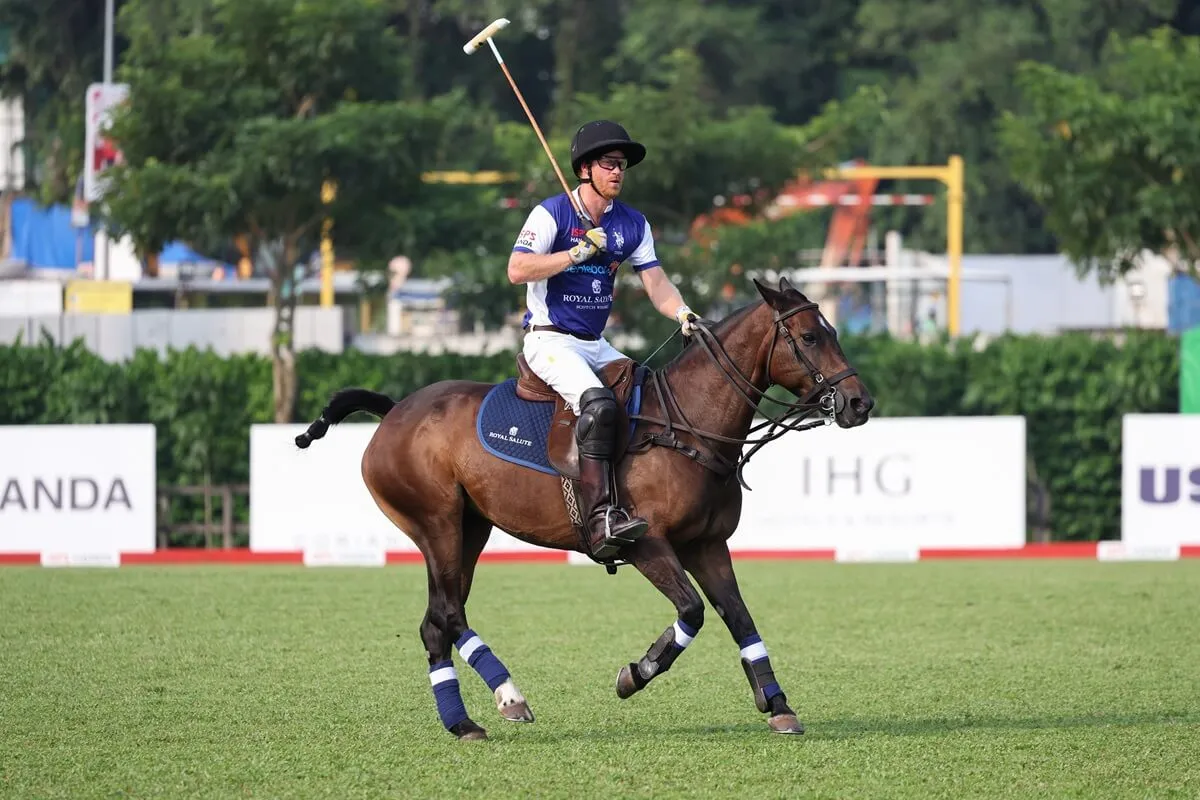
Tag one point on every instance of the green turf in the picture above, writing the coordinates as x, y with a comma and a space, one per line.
941, 679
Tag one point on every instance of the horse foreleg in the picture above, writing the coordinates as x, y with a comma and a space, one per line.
655, 559
710, 563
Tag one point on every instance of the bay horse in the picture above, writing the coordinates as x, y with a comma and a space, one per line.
429, 474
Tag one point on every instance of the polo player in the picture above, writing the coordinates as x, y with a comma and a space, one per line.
569, 271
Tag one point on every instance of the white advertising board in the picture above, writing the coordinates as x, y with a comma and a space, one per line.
1160, 480
315, 499
889, 487
77, 489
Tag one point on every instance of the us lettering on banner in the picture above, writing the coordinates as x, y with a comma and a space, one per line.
1160, 479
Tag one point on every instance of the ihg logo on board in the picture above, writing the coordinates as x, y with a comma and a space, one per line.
1167, 485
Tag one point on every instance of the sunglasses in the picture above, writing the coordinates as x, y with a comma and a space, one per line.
608, 163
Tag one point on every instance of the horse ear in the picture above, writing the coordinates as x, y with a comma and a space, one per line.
768, 293
785, 287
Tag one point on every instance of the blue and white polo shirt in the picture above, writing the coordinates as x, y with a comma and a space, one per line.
580, 298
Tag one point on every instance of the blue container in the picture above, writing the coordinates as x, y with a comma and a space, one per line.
1183, 304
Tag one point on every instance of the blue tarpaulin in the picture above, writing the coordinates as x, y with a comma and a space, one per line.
43, 238
1183, 311
180, 253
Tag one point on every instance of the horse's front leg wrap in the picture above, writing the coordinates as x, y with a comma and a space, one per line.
662, 653
758, 671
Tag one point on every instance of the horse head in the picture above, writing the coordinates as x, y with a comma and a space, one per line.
810, 363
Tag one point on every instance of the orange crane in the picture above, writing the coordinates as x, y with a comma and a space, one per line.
852, 201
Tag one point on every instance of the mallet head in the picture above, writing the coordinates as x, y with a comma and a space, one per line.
484, 35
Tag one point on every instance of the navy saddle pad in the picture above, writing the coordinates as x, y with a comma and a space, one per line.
516, 430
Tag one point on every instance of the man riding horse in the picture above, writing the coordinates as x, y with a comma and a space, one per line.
569, 272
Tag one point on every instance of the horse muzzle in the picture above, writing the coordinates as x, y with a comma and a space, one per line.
851, 409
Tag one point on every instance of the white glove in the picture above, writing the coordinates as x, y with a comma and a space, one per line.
687, 320
593, 242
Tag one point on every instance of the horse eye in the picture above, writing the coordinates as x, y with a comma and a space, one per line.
808, 338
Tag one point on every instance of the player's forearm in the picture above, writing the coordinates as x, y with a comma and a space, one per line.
530, 267
666, 298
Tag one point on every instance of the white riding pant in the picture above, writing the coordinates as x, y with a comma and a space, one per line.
568, 365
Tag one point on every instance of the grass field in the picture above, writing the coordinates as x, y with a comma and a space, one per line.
938, 679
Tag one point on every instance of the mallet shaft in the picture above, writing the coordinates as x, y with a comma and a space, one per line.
549, 154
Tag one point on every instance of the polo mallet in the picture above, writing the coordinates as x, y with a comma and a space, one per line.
485, 35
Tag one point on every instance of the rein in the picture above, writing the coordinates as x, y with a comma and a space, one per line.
823, 397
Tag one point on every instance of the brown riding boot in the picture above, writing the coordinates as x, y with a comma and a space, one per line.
609, 527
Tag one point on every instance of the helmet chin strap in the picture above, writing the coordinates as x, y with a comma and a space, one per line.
587, 216
587, 179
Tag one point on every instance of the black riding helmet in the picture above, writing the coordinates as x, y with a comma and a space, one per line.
597, 137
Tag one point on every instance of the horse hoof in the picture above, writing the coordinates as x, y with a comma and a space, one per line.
468, 731
785, 723
517, 712
511, 703
626, 685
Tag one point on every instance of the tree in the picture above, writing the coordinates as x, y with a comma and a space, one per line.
700, 153
1114, 158
57, 50
948, 69
697, 150
241, 128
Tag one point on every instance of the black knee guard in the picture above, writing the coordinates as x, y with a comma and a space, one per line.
596, 430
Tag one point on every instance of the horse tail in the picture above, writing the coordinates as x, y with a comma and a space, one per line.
342, 405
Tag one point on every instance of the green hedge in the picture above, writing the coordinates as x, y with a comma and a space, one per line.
1072, 389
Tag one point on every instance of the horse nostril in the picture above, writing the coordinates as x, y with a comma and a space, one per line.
861, 405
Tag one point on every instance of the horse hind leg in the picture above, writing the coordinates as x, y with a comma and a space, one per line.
440, 540
451, 544
440, 620
511, 704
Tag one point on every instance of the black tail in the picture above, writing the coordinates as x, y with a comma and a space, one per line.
342, 405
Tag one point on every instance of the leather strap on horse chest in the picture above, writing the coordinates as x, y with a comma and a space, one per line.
707, 458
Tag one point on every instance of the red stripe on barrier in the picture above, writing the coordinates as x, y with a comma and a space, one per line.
200, 555
244, 555
783, 555
20, 558
1047, 550
534, 556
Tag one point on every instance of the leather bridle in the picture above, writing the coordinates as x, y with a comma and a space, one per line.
823, 398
